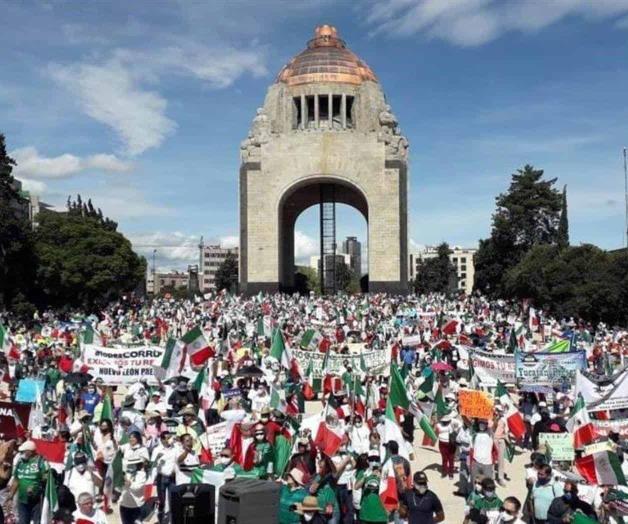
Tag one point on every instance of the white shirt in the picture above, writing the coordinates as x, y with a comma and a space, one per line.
78, 482
98, 517
360, 439
133, 495
189, 462
105, 447
165, 459
129, 453
483, 448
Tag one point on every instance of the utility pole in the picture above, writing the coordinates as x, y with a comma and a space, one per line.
201, 269
626, 198
154, 273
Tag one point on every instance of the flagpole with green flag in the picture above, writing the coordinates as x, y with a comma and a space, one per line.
51, 500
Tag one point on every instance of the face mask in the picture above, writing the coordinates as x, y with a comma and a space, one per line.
308, 516
568, 495
131, 469
81, 468
478, 488
373, 463
489, 494
506, 517
358, 424
224, 460
482, 427
542, 482
259, 438
421, 488
264, 420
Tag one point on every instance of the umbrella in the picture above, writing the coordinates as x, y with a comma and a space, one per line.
249, 371
441, 366
78, 378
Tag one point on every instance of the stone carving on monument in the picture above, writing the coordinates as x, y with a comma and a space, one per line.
251, 147
390, 135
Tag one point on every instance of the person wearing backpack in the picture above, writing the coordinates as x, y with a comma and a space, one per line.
29, 478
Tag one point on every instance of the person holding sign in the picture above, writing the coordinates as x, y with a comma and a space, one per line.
482, 452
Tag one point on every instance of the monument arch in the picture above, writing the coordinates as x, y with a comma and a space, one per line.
324, 135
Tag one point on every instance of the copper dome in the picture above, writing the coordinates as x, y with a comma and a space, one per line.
326, 59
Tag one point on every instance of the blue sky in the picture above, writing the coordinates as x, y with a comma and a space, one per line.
142, 106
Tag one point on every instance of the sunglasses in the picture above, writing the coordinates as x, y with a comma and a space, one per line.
510, 512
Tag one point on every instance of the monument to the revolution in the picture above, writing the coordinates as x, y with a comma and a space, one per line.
325, 135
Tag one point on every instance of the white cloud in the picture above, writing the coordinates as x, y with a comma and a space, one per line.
31, 164
115, 93
305, 246
33, 186
110, 94
174, 250
475, 22
229, 241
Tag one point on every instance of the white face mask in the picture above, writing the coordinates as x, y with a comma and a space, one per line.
308, 516
506, 517
223, 460
81, 468
421, 488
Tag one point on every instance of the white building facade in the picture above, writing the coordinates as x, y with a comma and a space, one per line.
212, 256
461, 258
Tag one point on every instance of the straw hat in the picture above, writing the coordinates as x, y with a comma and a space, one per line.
297, 475
188, 410
309, 505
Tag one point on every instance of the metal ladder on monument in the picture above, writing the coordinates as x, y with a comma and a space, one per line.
327, 272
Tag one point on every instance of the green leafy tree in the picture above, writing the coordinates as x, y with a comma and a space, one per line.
582, 281
306, 280
16, 249
527, 215
82, 260
563, 223
227, 274
436, 275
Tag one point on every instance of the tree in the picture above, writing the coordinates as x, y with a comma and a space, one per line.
527, 215
436, 275
16, 250
346, 280
227, 274
582, 281
306, 280
563, 223
82, 261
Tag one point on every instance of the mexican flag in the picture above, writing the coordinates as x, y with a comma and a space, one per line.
388, 487
114, 477
328, 438
601, 468
515, 422
533, 320
278, 349
198, 350
172, 362
53, 451
51, 501
5, 342
392, 431
106, 413
579, 424
398, 392
311, 339
580, 518
424, 423
91, 336
264, 327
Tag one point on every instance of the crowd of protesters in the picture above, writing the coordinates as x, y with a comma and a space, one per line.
341, 441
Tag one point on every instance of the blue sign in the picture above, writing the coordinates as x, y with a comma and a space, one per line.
29, 390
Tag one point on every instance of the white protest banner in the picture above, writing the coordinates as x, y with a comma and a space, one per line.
491, 367
214, 438
373, 360
604, 427
412, 340
117, 366
560, 444
605, 445
548, 369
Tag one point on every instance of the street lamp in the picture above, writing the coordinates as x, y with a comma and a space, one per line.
626, 197
154, 281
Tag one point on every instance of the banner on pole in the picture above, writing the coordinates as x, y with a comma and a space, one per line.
489, 367
560, 445
374, 361
475, 404
552, 369
116, 366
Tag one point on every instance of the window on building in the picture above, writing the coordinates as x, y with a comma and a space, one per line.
349, 111
297, 113
463, 284
463, 260
162, 281
454, 260
336, 108
463, 267
463, 275
323, 107
311, 114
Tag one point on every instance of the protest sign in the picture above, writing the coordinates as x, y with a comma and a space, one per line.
493, 367
215, 437
598, 446
411, 341
29, 390
116, 366
7, 420
231, 393
375, 361
560, 445
475, 404
552, 369
604, 427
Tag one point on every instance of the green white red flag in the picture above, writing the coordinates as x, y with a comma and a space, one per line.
51, 500
514, 419
602, 468
198, 350
388, 487
579, 424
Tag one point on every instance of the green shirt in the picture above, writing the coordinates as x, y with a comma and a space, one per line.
487, 504
288, 497
371, 507
30, 476
264, 456
326, 495
53, 375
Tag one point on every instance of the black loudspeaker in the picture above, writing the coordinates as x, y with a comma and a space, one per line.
193, 504
248, 501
